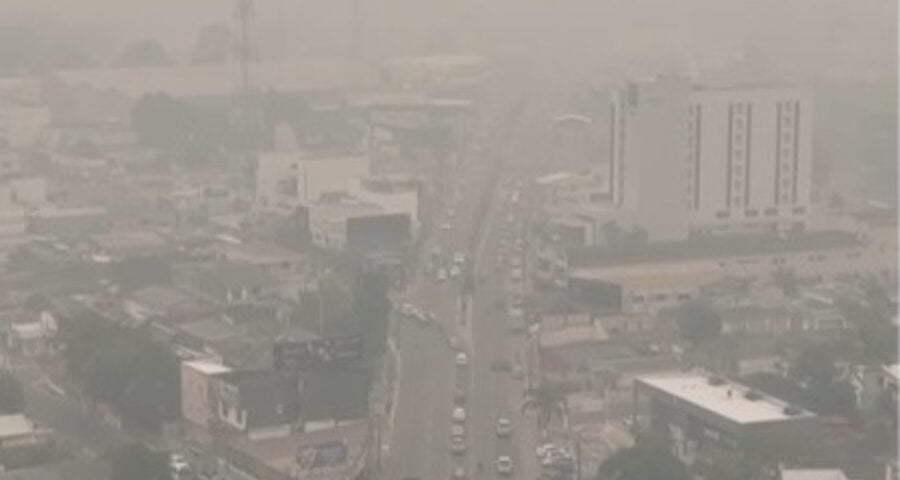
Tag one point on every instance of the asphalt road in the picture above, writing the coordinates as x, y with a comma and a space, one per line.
420, 433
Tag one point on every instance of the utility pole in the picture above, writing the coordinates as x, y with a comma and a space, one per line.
246, 115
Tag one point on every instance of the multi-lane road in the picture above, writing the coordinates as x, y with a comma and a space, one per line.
419, 435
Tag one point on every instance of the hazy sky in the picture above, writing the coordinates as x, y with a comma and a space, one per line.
857, 34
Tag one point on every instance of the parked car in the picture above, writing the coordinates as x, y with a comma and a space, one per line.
504, 465
503, 427
462, 359
459, 415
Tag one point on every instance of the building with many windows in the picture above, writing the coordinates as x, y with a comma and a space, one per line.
737, 157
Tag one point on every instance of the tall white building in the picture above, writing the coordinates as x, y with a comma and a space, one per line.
749, 157
735, 158
647, 155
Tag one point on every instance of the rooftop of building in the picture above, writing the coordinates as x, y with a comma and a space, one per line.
711, 247
725, 398
812, 474
207, 367
893, 371
15, 425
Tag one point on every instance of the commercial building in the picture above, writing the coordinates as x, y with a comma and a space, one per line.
287, 180
701, 415
648, 121
22, 124
198, 391
651, 276
737, 157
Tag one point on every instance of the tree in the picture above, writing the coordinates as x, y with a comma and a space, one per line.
137, 462
549, 401
215, 44
644, 461
161, 121
143, 53
12, 397
123, 368
698, 323
815, 369
187, 133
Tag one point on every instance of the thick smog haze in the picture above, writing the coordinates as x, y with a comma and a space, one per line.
449, 240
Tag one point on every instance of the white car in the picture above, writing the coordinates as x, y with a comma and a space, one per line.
459, 258
542, 450
504, 465
504, 427
458, 445
459, 415
445, 226
462, 359
455, 271
458, 430
178, 464
407, 310
459, 473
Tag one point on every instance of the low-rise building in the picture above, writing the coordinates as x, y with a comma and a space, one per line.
701, 415
198, 383
652, 276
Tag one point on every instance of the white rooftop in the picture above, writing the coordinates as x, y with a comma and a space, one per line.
15, 425
804, 474
726, 399
893, 371
208, 367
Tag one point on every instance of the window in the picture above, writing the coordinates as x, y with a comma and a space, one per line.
721, 214
786, 152
751, 213
738, 137
785, 167
799, 210
736, 202
785, 198
786, 182
738, 170
771, 212
739, 123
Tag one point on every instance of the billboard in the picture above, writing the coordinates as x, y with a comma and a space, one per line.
312, 353
390, 233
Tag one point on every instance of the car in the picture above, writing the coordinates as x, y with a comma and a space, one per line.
503, 427
459, 473
459, 258
407, 310
454, 342
445, 226
518, 373
541, 450
457, 430
427, 317
458, 445
455, 271
178, 464
459, 415
462, 359
442, 274
459, 398
504, 465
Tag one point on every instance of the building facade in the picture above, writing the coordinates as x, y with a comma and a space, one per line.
735, 158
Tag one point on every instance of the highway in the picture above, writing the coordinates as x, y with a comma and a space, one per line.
419, 436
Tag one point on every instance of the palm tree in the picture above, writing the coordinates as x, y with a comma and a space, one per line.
549, 402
